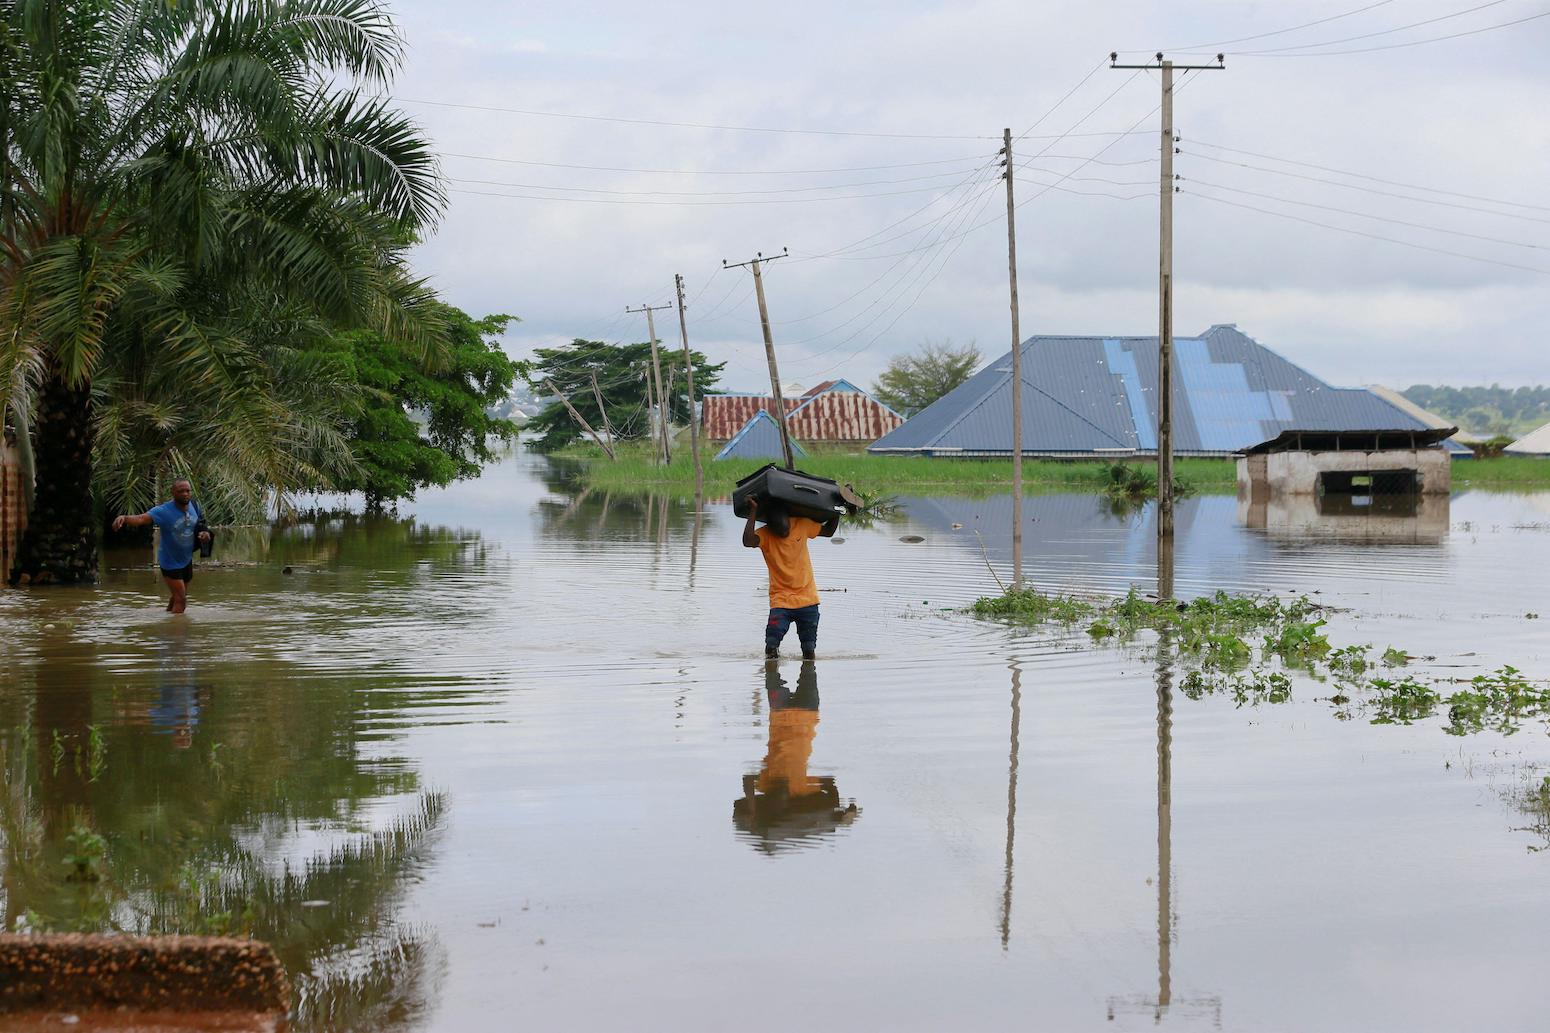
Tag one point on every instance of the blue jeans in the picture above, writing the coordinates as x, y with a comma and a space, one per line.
781, 618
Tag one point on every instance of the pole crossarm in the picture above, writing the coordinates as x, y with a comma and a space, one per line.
759, 256
769, 347
1220, 66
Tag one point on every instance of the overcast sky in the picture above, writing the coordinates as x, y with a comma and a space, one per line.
1462, 123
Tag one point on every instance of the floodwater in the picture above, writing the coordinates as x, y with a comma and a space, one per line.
513, 760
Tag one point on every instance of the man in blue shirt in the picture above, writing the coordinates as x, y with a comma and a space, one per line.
177, 521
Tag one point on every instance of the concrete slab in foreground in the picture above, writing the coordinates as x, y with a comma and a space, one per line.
132, 984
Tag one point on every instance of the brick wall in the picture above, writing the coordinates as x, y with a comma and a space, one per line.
13, 510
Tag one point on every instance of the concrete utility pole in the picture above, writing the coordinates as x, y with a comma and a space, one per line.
656, 375
694, 423
580, 419
1017, 373
1165, 288
769, 348
608, 432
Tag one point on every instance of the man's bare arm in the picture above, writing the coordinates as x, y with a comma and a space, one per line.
750, 532
133, 521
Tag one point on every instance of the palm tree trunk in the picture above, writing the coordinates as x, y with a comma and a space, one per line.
59, 545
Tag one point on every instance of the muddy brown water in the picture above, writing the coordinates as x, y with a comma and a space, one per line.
503, 761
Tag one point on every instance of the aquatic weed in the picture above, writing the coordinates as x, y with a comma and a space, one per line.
1027, 606
1500, 700
1395, 657
1401, 702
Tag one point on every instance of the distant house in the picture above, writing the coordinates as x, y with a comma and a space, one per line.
758, 439
1096, 397
833, 411
1534, 443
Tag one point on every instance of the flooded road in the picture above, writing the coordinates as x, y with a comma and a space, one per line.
513, 760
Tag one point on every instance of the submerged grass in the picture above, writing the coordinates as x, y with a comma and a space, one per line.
1211, 637
1505, 472
635, 470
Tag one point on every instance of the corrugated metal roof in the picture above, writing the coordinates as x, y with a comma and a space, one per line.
759, 439
836, 410
1096, 395
1534, 443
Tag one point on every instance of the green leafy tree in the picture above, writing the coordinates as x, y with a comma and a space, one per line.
417, 424
162, 166
911, 382
1507, 411
623, 374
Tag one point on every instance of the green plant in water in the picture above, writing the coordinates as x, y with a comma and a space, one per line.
1026, 606
84, 852
1395, 657
1401, 702
1349, 661
1500, 700
1298, 642
96, 752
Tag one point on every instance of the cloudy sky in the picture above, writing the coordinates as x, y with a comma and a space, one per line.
894, 218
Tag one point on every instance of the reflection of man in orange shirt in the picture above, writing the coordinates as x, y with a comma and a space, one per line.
793, 593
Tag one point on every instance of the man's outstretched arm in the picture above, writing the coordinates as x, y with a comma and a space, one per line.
133, 521
750, 532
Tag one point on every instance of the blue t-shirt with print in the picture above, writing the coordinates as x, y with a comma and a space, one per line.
176, 548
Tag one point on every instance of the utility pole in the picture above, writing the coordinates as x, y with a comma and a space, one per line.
1165, 287
580, 419
608, 432
656, 374
1017, 373
694, 423
769, 348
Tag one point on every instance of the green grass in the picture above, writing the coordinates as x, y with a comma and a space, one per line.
635, 470
1507, 472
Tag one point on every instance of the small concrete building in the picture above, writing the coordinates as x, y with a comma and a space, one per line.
1367, 463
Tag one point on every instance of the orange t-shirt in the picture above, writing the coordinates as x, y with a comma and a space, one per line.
791, 569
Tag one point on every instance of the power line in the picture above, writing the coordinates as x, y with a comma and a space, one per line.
1274, 32
1067, 96
1371, 179
1368, 215
693, 125
1370, 236
691, 204
709, 193
1417, 42
713, 172
1365, 190
1380, 32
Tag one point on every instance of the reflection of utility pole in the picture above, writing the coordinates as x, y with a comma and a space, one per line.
694, 423
1165, 288
769, 349
1159, 1005
1017, 374
1011, 807
656, 373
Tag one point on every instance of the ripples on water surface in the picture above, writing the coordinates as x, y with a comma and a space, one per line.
512, 761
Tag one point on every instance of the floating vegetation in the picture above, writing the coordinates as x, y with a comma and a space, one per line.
1212, 639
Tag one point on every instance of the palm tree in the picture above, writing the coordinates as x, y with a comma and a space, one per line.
176, 179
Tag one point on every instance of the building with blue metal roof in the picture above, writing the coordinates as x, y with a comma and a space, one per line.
1096, 396
759, 439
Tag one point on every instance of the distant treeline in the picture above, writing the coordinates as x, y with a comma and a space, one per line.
1486, 411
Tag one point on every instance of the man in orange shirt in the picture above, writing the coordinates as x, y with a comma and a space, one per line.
793, 593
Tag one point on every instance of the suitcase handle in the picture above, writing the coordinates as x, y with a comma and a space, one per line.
804, 487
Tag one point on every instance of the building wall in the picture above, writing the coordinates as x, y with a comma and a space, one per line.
1297, 473
13, 507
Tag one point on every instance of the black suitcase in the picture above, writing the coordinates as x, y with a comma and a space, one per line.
785, 493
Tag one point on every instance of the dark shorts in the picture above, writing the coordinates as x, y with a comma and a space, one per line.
184, 574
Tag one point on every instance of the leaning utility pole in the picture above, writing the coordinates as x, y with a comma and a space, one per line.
581, 420
1017, 374
656, 375
608, 432
694, 423
1165, 287
769, 349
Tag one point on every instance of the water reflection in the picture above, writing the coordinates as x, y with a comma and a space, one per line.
1407, 519
783, 807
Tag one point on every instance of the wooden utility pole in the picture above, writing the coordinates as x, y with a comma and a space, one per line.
694, 423
608, 432
1165, 288
1017, 373
769, 349
656, 375
580, 419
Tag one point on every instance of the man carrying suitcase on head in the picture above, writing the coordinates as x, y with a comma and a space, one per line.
793, 593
